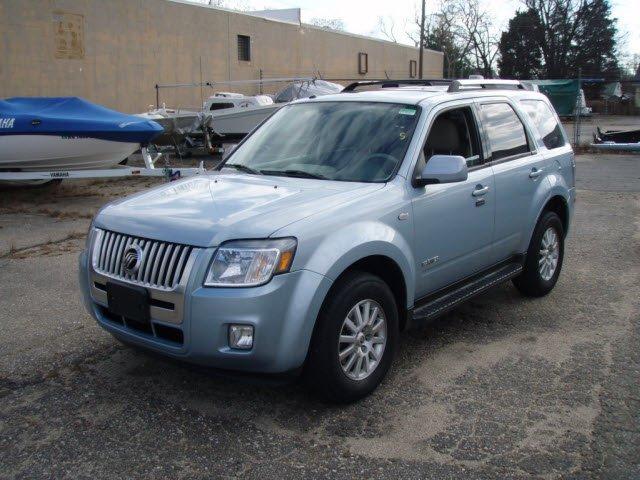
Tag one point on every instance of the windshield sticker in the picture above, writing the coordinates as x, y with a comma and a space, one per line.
408, 111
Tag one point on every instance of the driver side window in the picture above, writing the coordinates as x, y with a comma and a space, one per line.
453, 132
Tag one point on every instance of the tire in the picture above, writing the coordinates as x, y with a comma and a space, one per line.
534, 281
324, 370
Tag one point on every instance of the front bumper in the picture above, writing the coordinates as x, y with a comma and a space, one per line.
282, 312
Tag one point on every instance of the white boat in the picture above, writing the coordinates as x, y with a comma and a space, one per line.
48, 152
177, 124
235, 115
67, 133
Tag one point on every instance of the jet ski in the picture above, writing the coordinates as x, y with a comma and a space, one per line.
67, 133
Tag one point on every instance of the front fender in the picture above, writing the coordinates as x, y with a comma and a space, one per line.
337, 251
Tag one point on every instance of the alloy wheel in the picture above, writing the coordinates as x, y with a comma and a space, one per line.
549, 254
363, 337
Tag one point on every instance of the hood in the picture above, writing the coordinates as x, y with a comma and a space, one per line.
207, 210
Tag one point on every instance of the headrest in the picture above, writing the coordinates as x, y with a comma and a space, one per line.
444, 137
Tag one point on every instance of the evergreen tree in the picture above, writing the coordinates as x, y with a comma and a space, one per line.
575, 34
594, 49
519, 47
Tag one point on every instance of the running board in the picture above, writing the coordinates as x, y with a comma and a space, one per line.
439, 303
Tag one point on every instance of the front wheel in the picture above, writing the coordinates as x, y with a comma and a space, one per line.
355, 339
544, 257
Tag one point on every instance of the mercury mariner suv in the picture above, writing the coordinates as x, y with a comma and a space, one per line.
337, 223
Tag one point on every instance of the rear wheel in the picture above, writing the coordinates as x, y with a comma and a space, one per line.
544, 257
355, 339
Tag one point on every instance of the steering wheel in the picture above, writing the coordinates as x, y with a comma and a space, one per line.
388, 161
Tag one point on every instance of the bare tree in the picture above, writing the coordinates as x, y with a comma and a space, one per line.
479, 28
386, 26
463, 32
485, 48
330, 23
450, 30
240, 5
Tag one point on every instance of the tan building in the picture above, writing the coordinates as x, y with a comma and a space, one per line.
114, 52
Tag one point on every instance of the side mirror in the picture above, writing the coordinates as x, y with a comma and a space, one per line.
443, 169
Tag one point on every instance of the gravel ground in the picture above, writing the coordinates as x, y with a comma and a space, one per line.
502, 387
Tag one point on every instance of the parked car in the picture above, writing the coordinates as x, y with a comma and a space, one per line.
339, 222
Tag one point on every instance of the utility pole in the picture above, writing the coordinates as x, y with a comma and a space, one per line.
421, 40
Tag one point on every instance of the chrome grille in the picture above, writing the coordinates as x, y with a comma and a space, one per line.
162, 264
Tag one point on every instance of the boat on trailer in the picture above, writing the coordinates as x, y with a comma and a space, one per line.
67, 133
235, 115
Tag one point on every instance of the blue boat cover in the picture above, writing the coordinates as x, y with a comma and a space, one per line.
72, 117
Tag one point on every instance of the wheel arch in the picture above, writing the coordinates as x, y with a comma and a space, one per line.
556, 201
388, 270
559, 205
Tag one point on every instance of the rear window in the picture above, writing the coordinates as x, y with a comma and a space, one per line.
546, 123
506, 132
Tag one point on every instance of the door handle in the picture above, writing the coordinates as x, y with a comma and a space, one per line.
478, 192
535, 172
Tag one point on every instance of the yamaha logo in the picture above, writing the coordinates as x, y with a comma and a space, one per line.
132, 259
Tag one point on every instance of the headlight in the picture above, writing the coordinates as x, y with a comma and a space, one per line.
248, 263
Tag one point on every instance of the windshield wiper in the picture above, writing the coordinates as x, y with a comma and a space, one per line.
294, 173
242, 168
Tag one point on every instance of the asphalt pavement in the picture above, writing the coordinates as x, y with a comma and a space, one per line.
502, 387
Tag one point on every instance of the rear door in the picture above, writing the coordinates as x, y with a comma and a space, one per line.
552, 139
518, 168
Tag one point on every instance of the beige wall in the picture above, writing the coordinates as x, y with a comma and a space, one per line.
127, 46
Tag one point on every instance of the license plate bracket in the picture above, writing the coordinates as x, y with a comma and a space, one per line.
128, 301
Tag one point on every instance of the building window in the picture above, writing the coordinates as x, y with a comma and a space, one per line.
413, 69
244, 48
363, 63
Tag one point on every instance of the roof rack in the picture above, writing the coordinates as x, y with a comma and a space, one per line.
458, 85
397, 83
454, 85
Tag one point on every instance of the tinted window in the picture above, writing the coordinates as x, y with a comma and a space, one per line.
545, 121
350, 141
506, 133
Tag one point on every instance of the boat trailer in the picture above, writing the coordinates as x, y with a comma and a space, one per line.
149, 170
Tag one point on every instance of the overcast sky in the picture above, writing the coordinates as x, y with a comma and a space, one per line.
361, 16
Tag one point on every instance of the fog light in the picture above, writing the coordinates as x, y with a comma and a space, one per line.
241, 336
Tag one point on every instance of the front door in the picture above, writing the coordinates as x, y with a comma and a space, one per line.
453, 223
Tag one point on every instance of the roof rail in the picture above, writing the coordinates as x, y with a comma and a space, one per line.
454, 85
458, 85
387, 83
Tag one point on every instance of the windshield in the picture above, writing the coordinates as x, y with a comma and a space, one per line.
349, 141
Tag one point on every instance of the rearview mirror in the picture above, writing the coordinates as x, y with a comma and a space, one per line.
443, 169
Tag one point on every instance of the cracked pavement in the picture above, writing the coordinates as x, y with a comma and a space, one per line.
502, 387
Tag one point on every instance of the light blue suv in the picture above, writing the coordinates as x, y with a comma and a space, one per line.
337, 223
